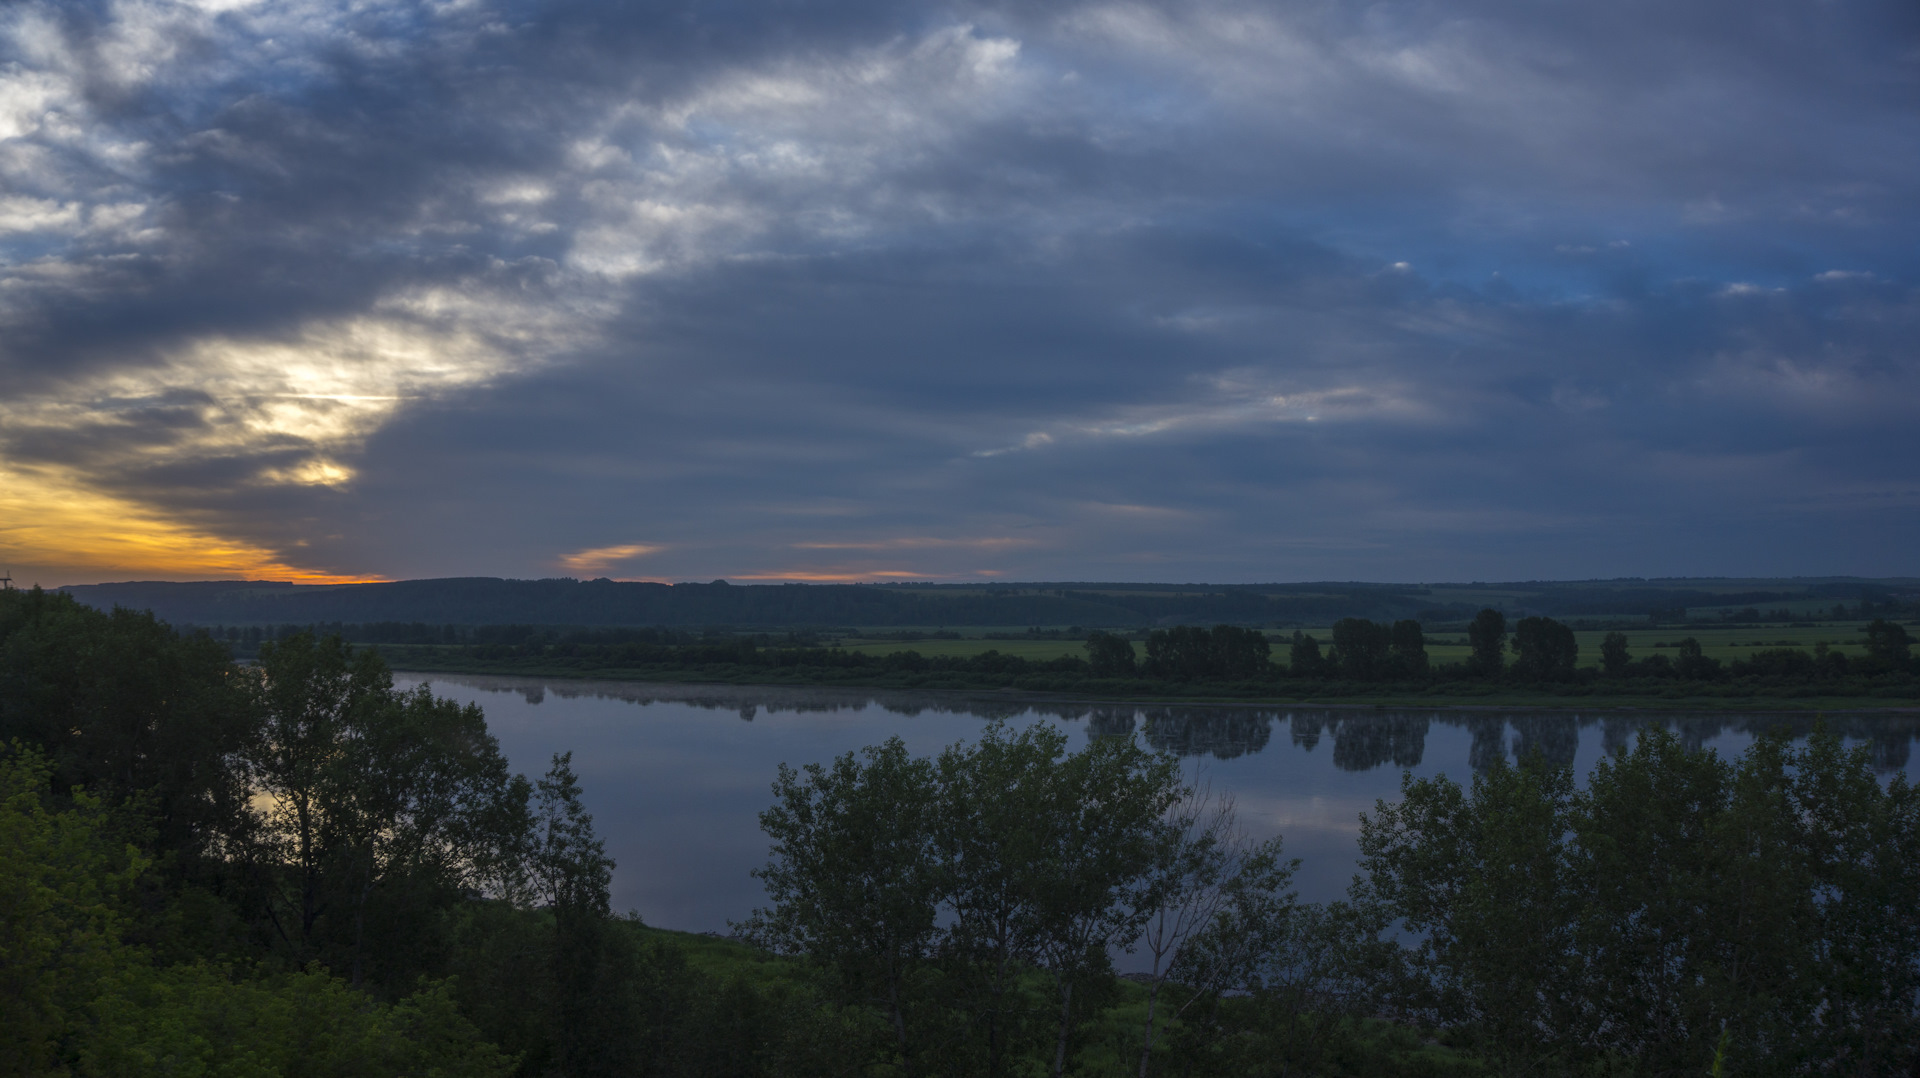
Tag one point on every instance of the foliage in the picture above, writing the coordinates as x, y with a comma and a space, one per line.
78, 998
1681, 909
377, 802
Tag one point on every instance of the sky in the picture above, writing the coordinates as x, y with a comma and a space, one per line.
1133, 291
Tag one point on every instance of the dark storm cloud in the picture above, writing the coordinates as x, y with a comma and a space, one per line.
1219, 290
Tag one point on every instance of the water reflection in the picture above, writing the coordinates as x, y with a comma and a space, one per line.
676, 775
1362, 739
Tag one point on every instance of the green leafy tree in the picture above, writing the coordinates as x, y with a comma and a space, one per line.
1303, 656
1361, 649
1487, 636
1544, 649
123, 706
995, 820
1409, 648
1614, 658
1889, 643
381, 807
856, 880
1094, 887
1481, 878
1110, 655
1223, 653
1691, 664
77, 998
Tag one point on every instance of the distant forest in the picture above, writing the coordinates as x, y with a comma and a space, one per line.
489, 601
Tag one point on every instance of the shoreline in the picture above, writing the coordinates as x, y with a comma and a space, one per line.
1859, 706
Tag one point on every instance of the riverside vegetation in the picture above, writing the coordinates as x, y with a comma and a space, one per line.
1533, 660
294, 869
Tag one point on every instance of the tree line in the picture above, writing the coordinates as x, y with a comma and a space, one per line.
1534, 652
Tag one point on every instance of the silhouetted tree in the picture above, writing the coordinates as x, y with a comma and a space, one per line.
1544, 649
1889, 642
1613, 654
1409, 648
1110, 655
1487, 634
1360, 649
1691, 665
1303, 657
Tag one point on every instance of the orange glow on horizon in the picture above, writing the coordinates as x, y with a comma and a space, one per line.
61, 526
811, 576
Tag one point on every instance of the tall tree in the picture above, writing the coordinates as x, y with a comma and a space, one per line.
1361, 649
1110, 655
1487, 635
1614, 657
855, 877
1303, 656
1409, 648
1481, 879
1544, 649
1889, 643
373, 798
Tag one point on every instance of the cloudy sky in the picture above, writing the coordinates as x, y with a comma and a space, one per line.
1108, 290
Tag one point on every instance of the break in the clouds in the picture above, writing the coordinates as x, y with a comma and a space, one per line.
1184, 290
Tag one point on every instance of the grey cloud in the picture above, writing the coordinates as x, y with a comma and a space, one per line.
704, 272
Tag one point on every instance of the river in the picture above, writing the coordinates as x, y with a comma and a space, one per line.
676, 775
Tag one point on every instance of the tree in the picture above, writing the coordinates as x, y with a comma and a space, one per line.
1544, 649
1409, 648
1051, 859
373, 798
1360, 649
1487, 635
1095, 886
592, 963
77, 997
1481, 879
1182, 653
1614, 658
855, 876
1689, 663
1889, 643
122, 705
1200, 849
1303, 657
1110, 655
1241, 654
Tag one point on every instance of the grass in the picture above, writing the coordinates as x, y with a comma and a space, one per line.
1725, 643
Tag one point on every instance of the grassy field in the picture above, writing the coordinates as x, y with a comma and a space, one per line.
1716, 642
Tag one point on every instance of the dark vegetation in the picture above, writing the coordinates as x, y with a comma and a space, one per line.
606, 603
1535, 658
291, 868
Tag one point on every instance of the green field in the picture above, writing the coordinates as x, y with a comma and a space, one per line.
1725, 643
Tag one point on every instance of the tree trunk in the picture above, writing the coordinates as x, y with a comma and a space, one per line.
1066, 1026
1146, 1041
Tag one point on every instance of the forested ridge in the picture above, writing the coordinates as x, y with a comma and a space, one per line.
293, 868
567, 602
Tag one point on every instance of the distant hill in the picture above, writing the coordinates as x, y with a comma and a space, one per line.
492, 601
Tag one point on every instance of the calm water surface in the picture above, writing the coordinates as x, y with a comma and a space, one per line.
676, 775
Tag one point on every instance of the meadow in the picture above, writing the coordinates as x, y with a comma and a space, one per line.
1724, 643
